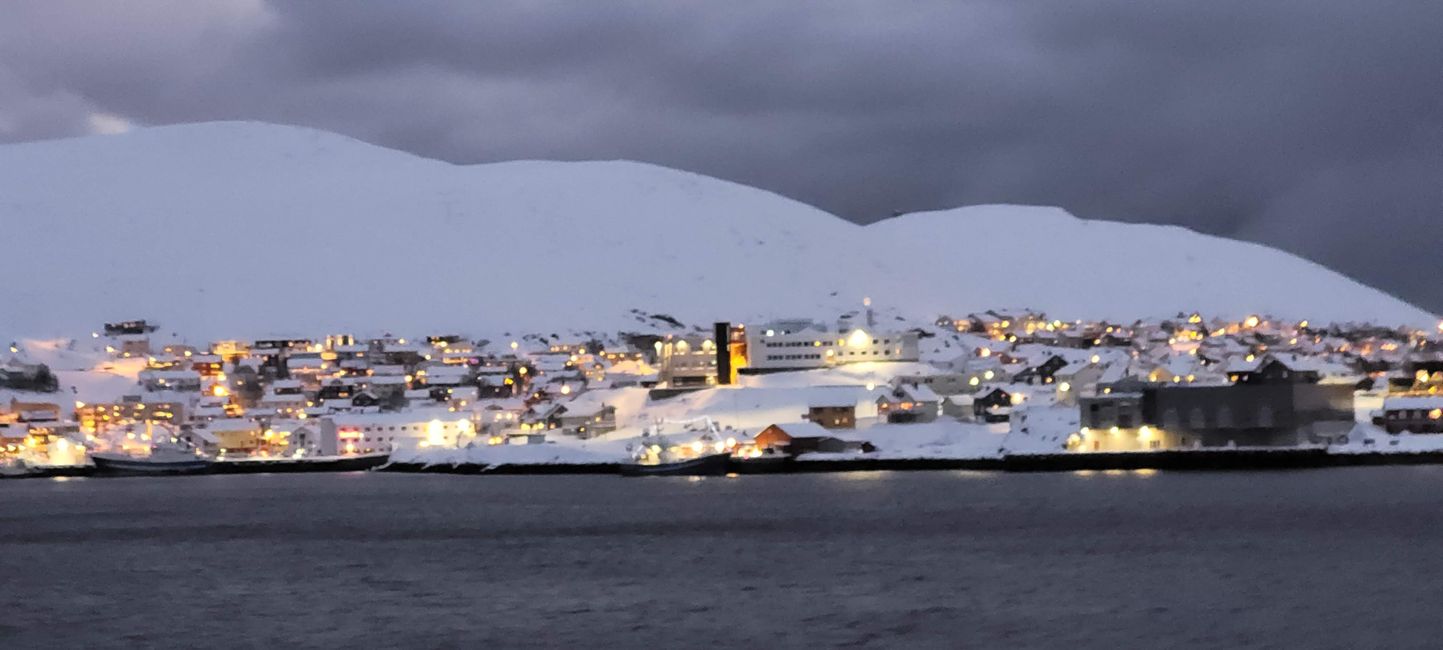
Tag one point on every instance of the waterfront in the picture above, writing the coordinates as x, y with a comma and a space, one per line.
1343, 557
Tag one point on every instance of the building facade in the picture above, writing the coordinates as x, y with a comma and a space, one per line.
802, 344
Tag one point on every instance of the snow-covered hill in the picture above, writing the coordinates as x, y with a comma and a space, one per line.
244, 229
1076, 268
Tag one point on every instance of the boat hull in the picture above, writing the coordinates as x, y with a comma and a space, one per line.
712, 465
778, 464
294, 465
109, 465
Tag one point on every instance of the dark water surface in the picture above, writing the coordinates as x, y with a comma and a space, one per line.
1320, 558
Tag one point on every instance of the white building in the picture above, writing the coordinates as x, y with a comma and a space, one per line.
803, 344
361, 433
686, 361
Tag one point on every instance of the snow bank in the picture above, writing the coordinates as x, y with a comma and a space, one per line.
542, 454
943, 438
1369, 439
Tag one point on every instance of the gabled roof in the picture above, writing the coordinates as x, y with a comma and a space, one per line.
912, 393
804, 429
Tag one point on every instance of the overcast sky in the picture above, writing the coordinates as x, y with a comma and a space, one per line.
1315, 126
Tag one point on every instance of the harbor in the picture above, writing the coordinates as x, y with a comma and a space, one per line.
1257, 459
398, 560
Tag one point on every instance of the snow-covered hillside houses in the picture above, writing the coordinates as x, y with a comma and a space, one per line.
1002, 380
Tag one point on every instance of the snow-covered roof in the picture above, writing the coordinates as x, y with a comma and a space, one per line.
231, 424
804, 429
414, 416
833, 396
169, 375
1413, 402
913, 393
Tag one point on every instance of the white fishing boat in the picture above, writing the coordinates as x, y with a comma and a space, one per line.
706, 455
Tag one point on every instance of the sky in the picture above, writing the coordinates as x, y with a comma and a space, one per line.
1315, 126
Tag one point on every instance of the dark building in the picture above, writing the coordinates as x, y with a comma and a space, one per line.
1041, 373
281, 344
1122, 410
1252, 415
129, 327
1271, 370
1281, 410
992, 406
335, 390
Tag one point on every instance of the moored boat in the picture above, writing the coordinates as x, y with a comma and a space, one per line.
161, 462
766, 463
708, 465
706, 455
278, 465
14, 468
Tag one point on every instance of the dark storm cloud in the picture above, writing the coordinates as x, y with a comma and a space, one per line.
1313, 126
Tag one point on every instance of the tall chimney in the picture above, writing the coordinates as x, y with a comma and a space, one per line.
722, 336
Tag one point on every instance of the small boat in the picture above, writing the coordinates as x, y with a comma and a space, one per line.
162, 461
708, 465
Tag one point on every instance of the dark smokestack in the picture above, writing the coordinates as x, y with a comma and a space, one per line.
722, 337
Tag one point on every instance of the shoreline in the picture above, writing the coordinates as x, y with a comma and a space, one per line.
1189, 460
1177, 460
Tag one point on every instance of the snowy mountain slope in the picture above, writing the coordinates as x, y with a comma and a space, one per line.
1077, 268
229, 228
244, 229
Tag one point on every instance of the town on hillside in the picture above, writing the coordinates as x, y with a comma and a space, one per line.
978, 385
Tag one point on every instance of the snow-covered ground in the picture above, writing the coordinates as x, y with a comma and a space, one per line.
1369, 439
217, 230
566, 452
944, 438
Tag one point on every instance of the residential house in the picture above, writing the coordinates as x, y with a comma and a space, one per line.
23, 411
832, 410
1040, 373
582, 418
1412, 413
184, 381
806, 437
1266, 369
1077, 378
908, 403
992, 405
